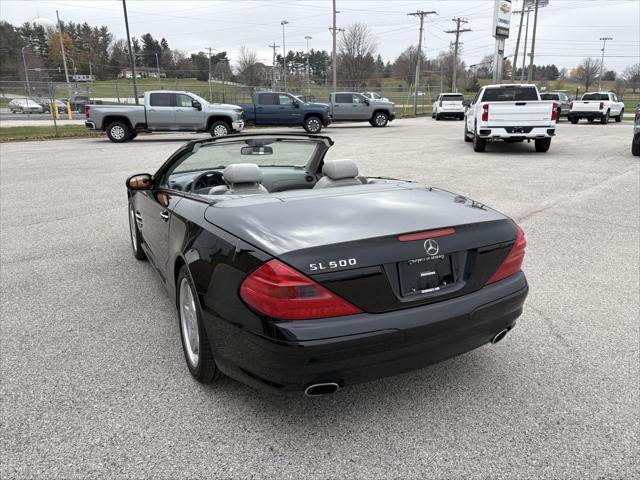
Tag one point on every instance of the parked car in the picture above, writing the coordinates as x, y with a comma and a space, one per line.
562, 99
284, 109
24, 105
355, 107
293, 273
510, 113
635, 144
164, 111
375, 96
596, 106
448, 105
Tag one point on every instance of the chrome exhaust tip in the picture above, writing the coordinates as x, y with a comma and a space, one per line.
321, 389
499, 336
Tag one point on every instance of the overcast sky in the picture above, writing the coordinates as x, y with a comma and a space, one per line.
568, 30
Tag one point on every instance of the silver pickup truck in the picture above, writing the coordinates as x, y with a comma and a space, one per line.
355, 107
164, 111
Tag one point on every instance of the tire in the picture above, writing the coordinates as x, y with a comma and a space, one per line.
479, 144
574, 120
433, 115
193, 335
590, 120
220, 129
558, 115
620, 115
635, 147
118, 132
437, 116
542, 144
466, 133
380, 119
134, 234
605, 118
312, 124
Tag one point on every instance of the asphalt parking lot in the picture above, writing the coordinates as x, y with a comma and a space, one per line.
94, 382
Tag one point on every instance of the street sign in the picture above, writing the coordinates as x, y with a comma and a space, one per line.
501, 18
531, 4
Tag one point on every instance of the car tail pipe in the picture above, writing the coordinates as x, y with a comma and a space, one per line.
499, 336
321, 389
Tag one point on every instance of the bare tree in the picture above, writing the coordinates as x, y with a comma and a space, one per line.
632, 76
405, 65
587, 72
620, 86
356, 50
248, 66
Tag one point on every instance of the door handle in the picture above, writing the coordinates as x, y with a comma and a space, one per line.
164, 215
151, 110
179, 110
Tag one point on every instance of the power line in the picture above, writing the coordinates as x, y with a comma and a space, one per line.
459, 21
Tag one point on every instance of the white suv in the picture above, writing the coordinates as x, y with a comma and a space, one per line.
448, 105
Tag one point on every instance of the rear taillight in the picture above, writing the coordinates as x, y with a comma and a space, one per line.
279, 291
554, 112
87, 108
485, 112
513, 262
570, 105
601, 105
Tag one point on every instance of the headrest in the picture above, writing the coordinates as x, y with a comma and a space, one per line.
339, 169
242, 173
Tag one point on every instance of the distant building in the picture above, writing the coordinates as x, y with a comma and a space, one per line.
142, 72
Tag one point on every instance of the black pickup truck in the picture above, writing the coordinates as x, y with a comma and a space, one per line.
278, 108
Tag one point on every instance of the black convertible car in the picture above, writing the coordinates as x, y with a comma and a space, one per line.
295, 273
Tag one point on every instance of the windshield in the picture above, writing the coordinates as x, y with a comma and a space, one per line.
549, 96
595, 96
510, 94
261, 151
452, 98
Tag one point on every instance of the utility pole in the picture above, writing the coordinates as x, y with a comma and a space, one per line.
273, 68
210, 92
604, 44
64, 57
416, 81
459, 21
131, 58
334, 63
524, 54
158, 69
284, 56
533, 43
515, 55
307, 38
26, 75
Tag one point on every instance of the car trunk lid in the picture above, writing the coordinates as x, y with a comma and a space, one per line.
525, 113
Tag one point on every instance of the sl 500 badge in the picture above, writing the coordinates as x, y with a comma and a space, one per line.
346, 262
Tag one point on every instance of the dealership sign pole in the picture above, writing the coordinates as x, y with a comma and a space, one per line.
500, 31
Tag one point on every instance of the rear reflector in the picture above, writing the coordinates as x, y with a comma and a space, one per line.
513, 263
279, 291
424, 235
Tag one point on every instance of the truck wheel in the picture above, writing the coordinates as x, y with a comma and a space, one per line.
381, 119
118, 132
635, 147
558, 115
605, 118
437, 116
312, 125
620, 115
479, 144
466, 132
574, 120
220, 129
542, 144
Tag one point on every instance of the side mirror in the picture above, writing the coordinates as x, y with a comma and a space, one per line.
367, 101
142, 181
296, 104
196, 104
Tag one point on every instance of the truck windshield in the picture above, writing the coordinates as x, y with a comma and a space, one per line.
452, 98
549, 96
510, 94
595, 96
264, 152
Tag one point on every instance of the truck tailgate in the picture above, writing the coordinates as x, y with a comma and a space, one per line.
586, 106
530, 113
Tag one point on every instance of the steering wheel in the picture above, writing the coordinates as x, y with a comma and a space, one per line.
206, 180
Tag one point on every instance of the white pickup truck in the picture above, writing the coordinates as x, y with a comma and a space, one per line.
510, 113
596, 105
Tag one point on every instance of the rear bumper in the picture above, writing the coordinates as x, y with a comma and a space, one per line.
595, 115
90, 125
516, 132
365, 347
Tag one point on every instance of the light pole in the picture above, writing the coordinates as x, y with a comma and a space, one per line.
307, 38
131, 60
26, 74
604, 44
284, 56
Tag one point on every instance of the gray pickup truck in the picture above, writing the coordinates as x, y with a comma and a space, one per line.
164, 111
355, 107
